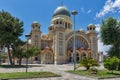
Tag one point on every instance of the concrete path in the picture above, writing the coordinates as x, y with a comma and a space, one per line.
59, 69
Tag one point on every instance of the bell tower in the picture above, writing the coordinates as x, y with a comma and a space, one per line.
93, 37
36, 34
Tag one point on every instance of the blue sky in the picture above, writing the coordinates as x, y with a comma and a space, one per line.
89, 11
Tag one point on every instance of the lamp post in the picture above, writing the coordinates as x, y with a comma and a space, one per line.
74, 12
27, 36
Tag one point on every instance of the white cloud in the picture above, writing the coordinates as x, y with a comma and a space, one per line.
83, 10
102, 48
110, 6
116, 4
97, 27
89, 11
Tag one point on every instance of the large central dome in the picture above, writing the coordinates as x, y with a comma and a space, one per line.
61, 10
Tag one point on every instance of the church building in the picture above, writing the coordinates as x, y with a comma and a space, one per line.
57, 46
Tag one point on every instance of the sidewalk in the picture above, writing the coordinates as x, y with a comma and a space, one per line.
59, 69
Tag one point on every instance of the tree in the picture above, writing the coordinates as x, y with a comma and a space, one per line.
110, 35
17, 50
114, 51
31, 51
11, 28
88, 62
111, 63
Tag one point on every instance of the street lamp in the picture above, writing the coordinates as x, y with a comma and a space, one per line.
27, 36
74, 12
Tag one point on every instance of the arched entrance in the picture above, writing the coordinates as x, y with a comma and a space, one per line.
80, 42
83, 55
70, 57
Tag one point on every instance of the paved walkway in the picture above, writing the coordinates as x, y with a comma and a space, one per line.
59, 69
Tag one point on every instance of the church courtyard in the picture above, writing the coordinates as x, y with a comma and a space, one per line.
58, 69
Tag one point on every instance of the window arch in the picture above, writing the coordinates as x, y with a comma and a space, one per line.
90, 55
79, 42
60, 22
48, 56
65, 24
68, 25
57, 22
83, 55
77, 57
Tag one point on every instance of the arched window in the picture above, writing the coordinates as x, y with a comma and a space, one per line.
77, 57
57, 22
83, 55
48, 56
65, 24
70, 57
68, 25
90, 55
79, 42
90, 28
61, 44
60, 22
36, 25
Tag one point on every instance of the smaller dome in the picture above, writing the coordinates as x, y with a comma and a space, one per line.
81, 30
34, 22
91, 25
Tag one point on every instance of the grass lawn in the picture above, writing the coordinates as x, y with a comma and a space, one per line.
19, 66
22, 75
100, 74
12, 66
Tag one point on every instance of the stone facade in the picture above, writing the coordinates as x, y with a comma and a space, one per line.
57, 46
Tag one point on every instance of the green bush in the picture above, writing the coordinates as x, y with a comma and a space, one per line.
88, 62
111, 63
